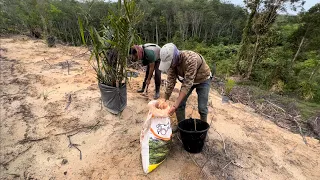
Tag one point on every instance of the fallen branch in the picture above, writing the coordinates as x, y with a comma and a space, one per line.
224, 144
300, 130
14, 175
74, 145
276, 106
47, 62
226, 165
94, 126
267, 115
204, 165
14, 158
238, 165
69, 101
193, 160
71, 131
77, 130
201, 168
225, 151
27, 140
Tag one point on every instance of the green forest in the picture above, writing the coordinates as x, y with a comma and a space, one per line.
258, 43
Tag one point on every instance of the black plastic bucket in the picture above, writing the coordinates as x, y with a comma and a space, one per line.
193, 140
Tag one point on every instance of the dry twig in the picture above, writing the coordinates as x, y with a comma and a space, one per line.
267, 115
74, 145
47, 62
224, 144
226, 165
276, 106
94, 126
300, 130
14, 158
27, 140
69, 101
77, 130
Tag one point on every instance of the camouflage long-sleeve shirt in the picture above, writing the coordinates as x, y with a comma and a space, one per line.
192, 68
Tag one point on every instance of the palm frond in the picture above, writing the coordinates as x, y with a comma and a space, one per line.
110, 46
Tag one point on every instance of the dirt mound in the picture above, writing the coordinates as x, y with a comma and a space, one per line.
51, 115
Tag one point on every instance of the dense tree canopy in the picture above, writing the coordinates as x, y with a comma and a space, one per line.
206, 21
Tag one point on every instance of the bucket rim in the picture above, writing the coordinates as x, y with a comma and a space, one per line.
202, 131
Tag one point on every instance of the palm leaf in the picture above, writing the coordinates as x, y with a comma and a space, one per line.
117, 36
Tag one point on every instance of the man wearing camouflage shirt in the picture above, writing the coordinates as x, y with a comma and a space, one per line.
192, 71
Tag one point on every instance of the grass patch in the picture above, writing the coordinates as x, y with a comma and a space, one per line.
308, 110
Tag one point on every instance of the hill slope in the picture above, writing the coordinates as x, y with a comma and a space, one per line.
35, 123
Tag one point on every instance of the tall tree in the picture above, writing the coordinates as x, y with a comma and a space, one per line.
262, 16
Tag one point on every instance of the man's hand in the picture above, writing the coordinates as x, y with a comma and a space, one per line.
172, 110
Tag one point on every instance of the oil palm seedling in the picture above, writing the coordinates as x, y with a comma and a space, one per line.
109, 48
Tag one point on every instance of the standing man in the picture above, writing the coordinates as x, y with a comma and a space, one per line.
150, 56
192, 71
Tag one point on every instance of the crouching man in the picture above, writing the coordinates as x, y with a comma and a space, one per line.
149, 55
192, 71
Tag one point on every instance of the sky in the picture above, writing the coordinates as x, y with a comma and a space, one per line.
307, 5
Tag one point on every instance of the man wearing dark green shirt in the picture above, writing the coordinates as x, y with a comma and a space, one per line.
150, 56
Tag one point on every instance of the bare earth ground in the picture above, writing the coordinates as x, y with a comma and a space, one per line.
35, 124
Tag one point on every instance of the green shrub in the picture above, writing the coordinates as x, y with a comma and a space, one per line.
229, 86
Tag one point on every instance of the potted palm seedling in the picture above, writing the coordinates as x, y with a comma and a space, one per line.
109, 53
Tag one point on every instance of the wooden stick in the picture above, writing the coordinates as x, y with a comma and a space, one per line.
276, 106
267, 115
94, 126
7, 163
69, 101
74, 145
47, 62
224, 144
226, 165
77, 130
27, 140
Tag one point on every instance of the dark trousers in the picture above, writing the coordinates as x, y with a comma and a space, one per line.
157, 77
203, 96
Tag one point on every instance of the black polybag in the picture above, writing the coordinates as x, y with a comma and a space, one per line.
113, 98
